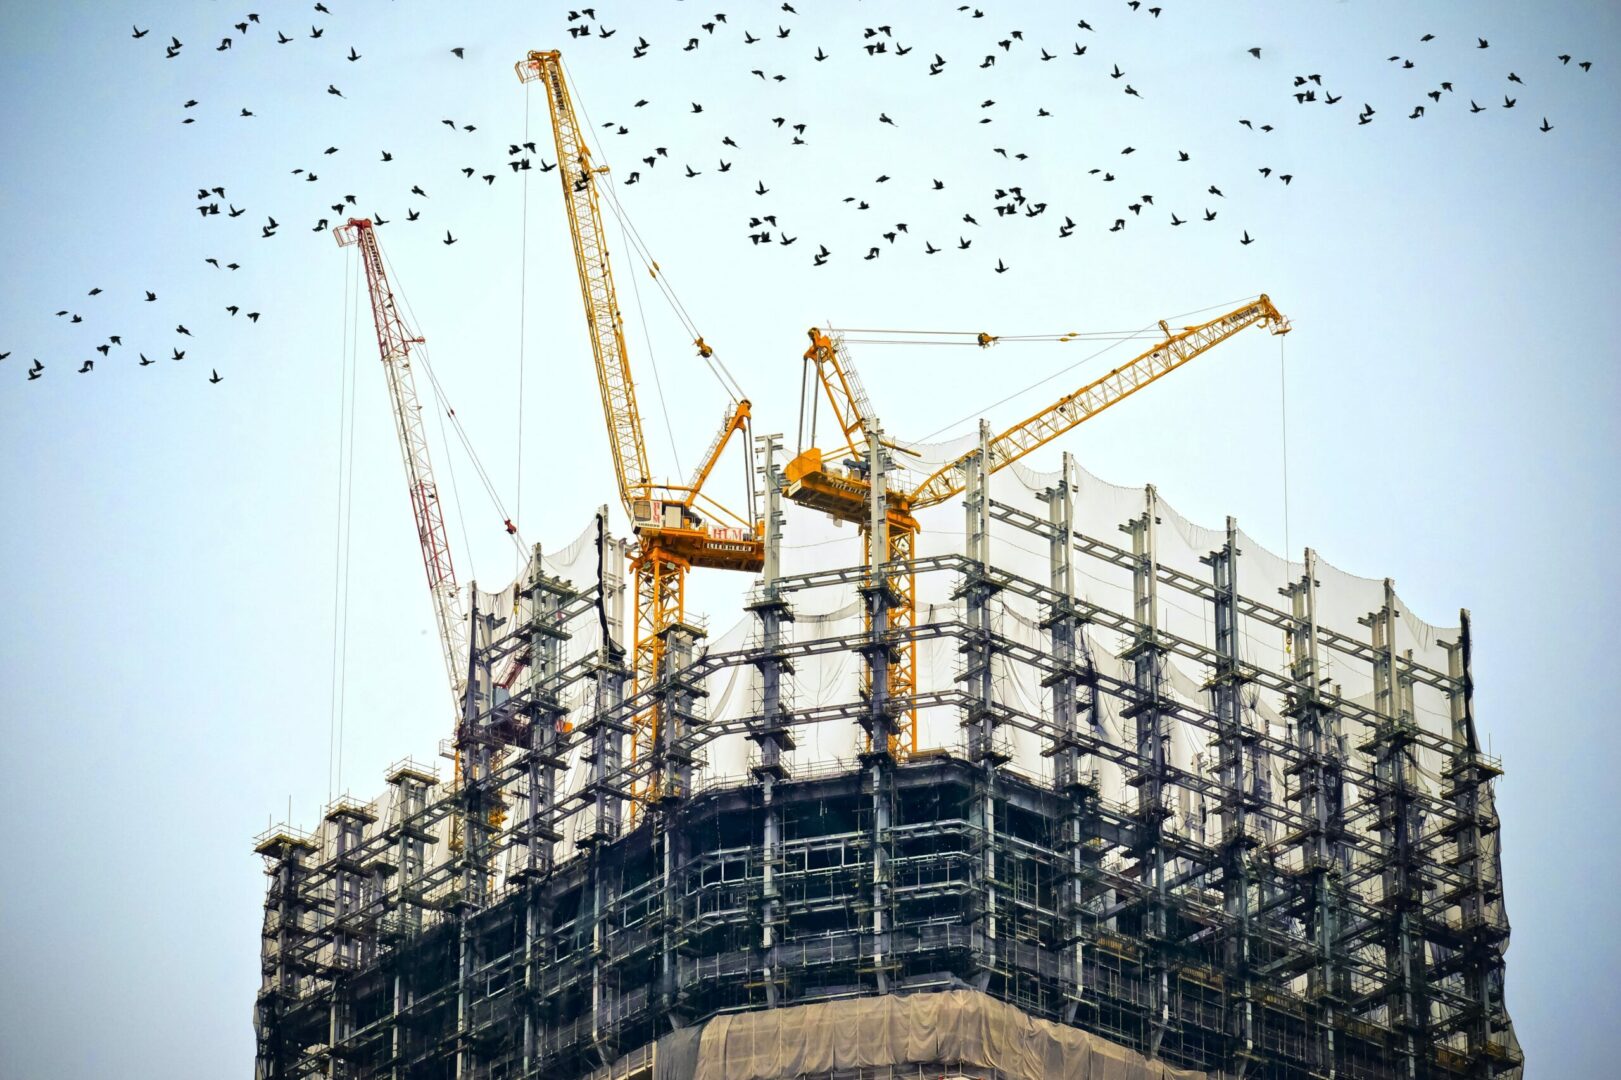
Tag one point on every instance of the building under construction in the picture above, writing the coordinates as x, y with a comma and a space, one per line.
1022, 776
1177, 801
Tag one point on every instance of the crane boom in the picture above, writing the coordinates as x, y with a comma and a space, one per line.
672, 535
596, 281
839, 484
394, 341
1091, 399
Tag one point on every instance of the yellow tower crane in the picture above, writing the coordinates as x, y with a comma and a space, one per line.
838, 481
672, 533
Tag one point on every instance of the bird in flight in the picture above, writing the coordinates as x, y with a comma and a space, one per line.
448, 238
1247, 239
214, 376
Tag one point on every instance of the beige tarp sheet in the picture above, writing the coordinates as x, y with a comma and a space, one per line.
955, 1026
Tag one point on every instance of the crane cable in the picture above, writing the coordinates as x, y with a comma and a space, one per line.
640, 249
337, 533
1283, 406
343, 532
1071, 367
455, 421
523, 305
974, 337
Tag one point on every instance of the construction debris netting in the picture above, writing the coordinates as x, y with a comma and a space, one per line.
960, 1028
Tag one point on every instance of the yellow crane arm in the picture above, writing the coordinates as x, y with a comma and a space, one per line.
735, 420
596, 279
852, 411
1094, 397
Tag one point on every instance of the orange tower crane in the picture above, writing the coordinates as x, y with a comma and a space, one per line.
838, 481
672, 532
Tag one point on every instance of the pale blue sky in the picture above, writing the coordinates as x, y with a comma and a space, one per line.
168, 551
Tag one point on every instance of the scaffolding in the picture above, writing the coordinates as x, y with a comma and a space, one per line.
1224, 809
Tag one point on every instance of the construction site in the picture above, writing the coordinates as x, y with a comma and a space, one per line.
1003, 773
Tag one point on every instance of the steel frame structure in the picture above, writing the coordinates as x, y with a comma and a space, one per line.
1351, 926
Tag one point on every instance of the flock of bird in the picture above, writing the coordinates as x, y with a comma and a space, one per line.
778, 54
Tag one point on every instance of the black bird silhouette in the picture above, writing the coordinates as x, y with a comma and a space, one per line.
316, 32
247, 112
883, 118
416, 189
1256, 52
214, 376
253, 316
929, 248
1475, 108
1247, 239
412, 215
820, 55
138, 32
1214, 190
460, 52
1508, 102
182, 330
88, 365
353, 56
144, 361
281, 38
938, 186
1176, 220
1116, 73
333, 90
1001, 268
872, 253
95, 291
448, 238
1546, 127
1515, 78
179, 355
760, 188
1209, 214
104, 349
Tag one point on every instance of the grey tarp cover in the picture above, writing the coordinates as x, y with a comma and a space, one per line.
950, 1027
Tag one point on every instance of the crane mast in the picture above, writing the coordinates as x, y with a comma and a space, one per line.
672, 533
818, 480
394, 341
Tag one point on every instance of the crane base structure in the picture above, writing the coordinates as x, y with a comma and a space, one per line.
1195, 809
